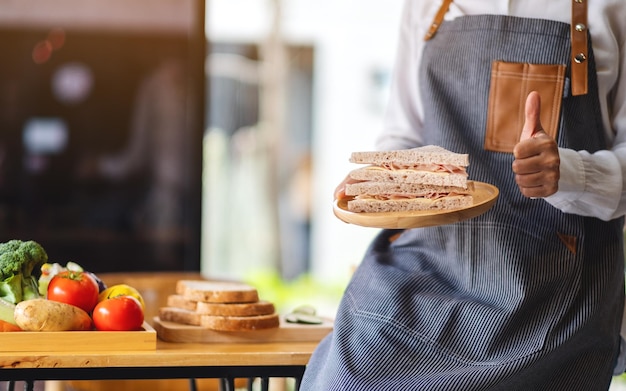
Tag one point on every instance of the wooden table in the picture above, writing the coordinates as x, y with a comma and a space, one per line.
167, 361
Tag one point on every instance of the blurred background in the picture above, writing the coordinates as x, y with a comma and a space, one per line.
190, 135
317, 74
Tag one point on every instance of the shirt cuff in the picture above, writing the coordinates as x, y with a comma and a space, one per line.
572, 174
589, 184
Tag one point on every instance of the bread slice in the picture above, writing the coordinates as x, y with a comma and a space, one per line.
429, 154
402, 188
371, 205
240, 323
378, 174
179, 301
261, 307
216, 291
180, 315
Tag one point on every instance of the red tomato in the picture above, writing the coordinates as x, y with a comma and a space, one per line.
75, 288
119, 313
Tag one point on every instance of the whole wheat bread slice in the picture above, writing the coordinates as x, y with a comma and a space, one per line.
389, 188
179, 301
414, 204
429, 154
180, 315
240, 323
217, 291
261, 307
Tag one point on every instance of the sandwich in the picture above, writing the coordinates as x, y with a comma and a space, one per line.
418, 179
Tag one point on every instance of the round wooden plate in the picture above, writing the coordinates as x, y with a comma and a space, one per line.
484, 194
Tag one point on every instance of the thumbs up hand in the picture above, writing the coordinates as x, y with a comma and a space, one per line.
536, 165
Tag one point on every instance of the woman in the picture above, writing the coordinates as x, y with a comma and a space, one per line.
528, 296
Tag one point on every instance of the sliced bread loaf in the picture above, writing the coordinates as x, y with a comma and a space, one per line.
239, 323
180, 302
261, 307
216, 291
180, 315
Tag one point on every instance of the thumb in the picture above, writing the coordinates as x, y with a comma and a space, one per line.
532, 122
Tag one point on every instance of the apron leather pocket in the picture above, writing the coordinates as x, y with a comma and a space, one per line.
510, 85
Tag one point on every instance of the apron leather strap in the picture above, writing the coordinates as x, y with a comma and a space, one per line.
579, 47
580, 51
438, 19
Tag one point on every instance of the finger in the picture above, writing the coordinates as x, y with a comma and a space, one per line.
340, 190
538, 191
340, 194
533, 192
532, 121
537, 183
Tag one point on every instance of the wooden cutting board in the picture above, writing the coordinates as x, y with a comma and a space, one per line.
64, 341
286, 332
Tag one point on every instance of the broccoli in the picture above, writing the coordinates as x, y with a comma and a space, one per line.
20, 266
7, 311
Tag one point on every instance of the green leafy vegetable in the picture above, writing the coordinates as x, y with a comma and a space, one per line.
7, 311
20, 266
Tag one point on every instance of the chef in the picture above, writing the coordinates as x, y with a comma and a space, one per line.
530, 295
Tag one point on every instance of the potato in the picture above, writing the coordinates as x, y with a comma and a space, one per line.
49, 315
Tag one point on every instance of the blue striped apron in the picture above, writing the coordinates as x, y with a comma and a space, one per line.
498, 302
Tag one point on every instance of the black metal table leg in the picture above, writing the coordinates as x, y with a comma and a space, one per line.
265, 383
227, 384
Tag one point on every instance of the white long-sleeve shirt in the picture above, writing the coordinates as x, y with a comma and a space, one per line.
590, 184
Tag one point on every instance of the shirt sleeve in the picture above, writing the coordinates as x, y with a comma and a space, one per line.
595, 184
591, 184
402, 127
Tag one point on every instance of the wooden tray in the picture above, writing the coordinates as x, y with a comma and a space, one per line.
484, 195
287, 332
64, 341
